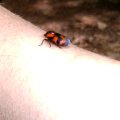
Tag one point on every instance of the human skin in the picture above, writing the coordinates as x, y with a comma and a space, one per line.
43, 83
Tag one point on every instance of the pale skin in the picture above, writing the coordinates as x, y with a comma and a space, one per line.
43, 83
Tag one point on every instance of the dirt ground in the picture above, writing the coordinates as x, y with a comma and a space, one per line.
95, 27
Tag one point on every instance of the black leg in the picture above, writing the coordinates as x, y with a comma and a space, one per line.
59, 46
49, 43
43, 42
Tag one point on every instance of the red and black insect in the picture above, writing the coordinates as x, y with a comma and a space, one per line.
56, 38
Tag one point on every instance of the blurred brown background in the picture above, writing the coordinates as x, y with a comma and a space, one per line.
91, 24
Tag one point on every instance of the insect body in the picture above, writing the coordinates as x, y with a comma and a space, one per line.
56, 38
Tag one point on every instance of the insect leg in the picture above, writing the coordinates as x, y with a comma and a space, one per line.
49, 43
43, 42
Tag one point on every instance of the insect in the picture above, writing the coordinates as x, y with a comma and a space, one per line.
56, 38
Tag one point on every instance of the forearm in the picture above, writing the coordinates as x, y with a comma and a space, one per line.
70, 82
